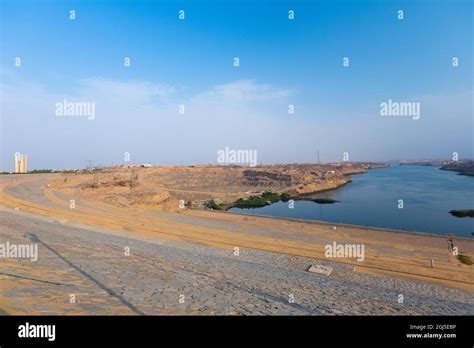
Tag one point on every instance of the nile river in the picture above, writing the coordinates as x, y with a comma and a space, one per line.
372, 199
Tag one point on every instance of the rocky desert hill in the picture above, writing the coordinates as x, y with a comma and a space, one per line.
168, 187
463, 167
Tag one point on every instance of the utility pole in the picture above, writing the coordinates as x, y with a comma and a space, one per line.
89, 164
318, 157
132, 181
96, 180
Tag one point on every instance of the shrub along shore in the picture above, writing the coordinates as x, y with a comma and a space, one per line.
262, 200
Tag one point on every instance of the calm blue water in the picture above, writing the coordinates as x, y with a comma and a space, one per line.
372, 199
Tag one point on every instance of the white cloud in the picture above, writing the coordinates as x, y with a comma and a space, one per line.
137, 92
142, 117
243, 91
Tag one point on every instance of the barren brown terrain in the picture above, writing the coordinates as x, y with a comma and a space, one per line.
143, 204
164, 187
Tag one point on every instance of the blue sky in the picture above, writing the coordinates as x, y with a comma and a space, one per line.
190, 62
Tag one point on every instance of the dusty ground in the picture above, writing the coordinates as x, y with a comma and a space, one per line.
192, 254
162, 188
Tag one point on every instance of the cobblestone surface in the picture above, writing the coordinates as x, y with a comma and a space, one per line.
171, 277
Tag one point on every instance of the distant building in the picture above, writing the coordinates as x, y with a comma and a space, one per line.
21, 163
135, 165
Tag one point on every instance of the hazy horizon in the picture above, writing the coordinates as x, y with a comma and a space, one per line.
92, 164
190, 62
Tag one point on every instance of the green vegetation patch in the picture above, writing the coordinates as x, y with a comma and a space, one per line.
285, 197
214, 206
41, 171
264, 199
257, 201
465, 259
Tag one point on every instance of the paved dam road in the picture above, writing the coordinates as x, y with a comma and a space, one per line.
187, 264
